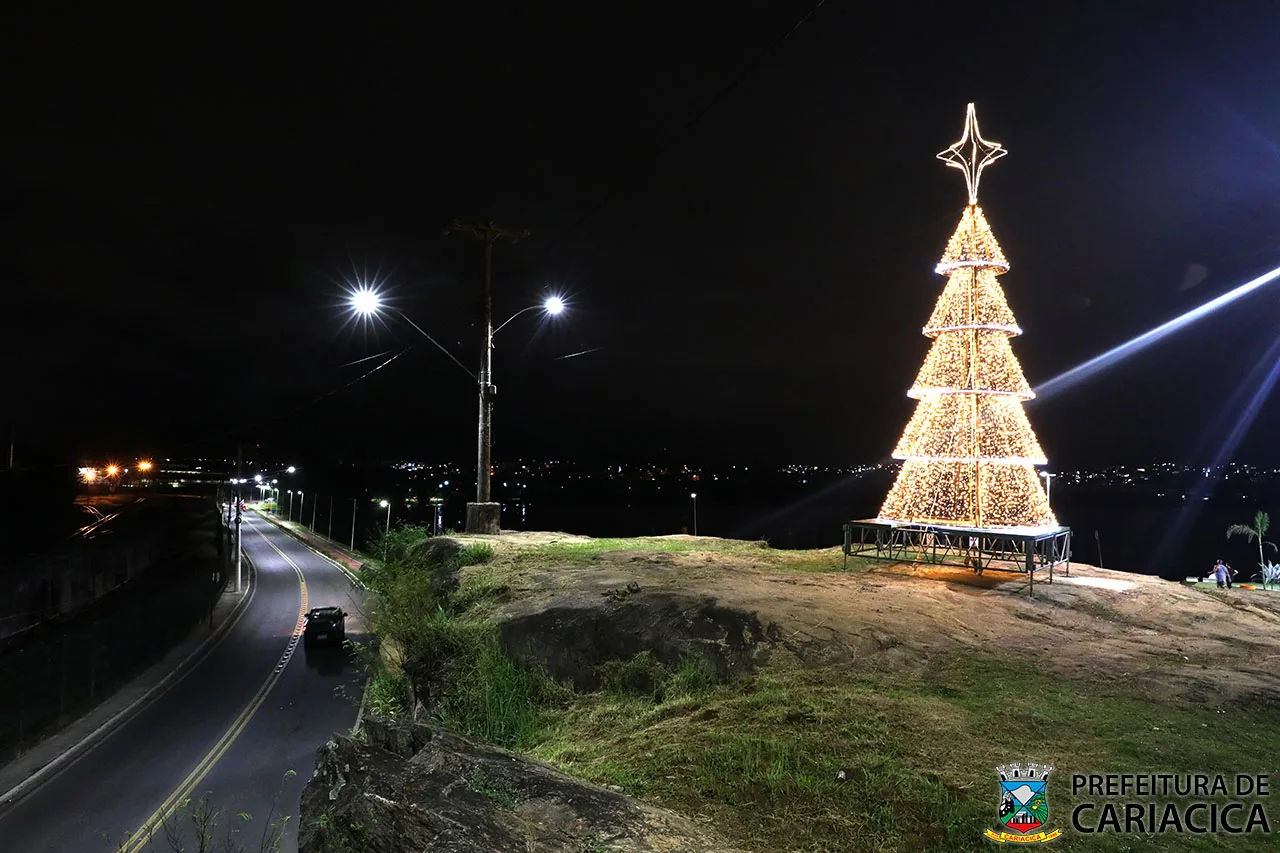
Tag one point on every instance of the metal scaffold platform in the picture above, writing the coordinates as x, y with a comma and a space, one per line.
1025, 551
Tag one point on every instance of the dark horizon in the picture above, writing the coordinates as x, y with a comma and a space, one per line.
743, 212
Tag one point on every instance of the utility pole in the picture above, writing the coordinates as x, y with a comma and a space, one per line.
329, 535
13, 436
353, 524
239, 520
483, 515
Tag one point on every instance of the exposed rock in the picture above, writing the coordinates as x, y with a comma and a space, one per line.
439, 549
461, 796
405, 741
574, 635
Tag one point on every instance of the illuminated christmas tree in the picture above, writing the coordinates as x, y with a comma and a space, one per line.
969, 453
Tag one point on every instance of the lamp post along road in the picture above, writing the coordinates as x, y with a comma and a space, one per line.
239, 520
484, 515
387, 533
353, 523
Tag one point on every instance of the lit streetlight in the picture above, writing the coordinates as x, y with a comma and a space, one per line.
144, 465
693, 496
483, 514
290, 513
387, 533
1048, 483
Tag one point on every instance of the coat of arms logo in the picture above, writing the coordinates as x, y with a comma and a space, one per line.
1024, 804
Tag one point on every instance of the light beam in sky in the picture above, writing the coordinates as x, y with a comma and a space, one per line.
1257, 386
1081, 372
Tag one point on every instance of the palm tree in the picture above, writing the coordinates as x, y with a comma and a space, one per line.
1261, 523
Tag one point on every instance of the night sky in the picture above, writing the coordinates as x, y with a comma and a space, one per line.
739, 200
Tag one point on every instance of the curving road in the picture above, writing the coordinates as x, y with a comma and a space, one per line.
256, 707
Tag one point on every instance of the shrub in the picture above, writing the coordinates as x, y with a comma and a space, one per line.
1269, 575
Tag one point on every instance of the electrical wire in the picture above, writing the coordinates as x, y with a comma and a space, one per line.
361, 377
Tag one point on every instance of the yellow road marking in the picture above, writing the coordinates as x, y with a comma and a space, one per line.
139, 839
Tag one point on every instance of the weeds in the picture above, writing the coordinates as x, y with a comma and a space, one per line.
474, 687
644, 675
493, 788
386, 694
202, 819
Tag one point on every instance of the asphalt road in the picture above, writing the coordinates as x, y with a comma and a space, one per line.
216, 721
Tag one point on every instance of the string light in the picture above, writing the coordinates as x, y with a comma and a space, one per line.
942, 428
971, 359
972, 154
989, 309
972, 245
969, 453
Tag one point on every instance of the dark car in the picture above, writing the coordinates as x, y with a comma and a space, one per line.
324, 625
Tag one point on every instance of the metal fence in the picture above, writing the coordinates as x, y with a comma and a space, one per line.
61, 671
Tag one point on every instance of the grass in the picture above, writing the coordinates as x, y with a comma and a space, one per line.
586, 551
385, 694
758, 552
811, 759
762, 757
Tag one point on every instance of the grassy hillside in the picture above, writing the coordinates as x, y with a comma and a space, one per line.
868, 721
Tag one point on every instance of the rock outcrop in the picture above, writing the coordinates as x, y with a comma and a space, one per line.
415, 787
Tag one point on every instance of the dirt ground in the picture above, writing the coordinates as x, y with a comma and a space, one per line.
1172, 642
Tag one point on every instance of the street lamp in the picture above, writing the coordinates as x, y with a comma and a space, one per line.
387, 532
290, 515
694, 497
1048, 483
483, 514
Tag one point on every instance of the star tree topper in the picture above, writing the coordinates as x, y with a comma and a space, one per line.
972, 154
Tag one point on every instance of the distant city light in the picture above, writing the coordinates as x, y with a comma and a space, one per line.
112, 470
88, 474
144, 465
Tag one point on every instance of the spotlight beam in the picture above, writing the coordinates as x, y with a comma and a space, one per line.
1081, 372
1261, 379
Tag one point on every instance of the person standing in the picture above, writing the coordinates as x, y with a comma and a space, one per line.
1222, 575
